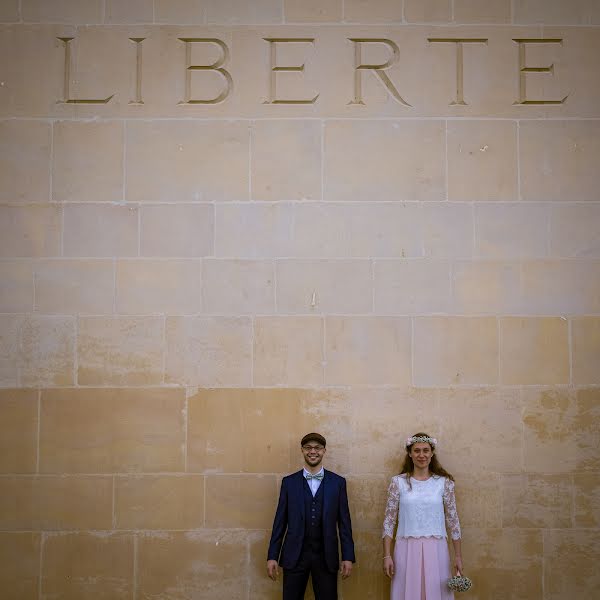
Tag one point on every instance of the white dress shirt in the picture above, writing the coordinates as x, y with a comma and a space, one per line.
314, 484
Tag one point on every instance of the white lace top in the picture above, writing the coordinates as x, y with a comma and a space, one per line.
420, 511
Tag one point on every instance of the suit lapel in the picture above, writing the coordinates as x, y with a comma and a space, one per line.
325, 486
299, 492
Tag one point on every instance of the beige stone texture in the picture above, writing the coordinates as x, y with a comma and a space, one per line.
56, 503
487, 287
367, 350
18, 432
585, 344
177, 230
87, 161
74, 286
19, 565
558, 160
455, 351
238, 287
324, 286
555, 12
505, 563
218, 419
189, 161
159, 502
482, 160
369, 11
384, 160
482, 11
158, 286
191, 12
10, 330
9, 11
120, 350
240, 501
194, 564
86, 565
534, 350
131, 11
587, 500
505, 231
208, 351
559, 430
242, 12
112, 430
537, 501
62, 11
566, 574
574, 230
367, 495
277, 362
100, 230
16, 286
479, 501
260, 586
409, 287
286, 160
313, 11
447, 230
427, 11
33, 230
25, 161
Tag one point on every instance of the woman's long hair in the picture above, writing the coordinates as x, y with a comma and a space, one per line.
435, 467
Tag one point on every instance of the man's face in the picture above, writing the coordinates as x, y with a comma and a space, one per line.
313, 453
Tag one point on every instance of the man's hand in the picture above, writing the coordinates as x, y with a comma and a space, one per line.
273, 569
346, 568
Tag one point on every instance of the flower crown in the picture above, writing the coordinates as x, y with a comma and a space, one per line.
415, 439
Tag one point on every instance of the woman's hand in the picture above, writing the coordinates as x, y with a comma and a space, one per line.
458, 565
388, 566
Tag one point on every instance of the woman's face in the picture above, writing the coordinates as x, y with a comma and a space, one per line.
421, 454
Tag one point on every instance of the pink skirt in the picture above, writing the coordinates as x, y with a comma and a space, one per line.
422, 569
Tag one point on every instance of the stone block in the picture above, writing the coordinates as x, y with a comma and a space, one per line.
427, 11
241, 12
130, 12
366, 11
87, 161
367, 497
100, 230
587, 500
537, 501
16, 286
74, 12
187, 161
557, 160
194, 564
88, 565
399, 160
159, 502
238, 287
10, 12
479, 501
367, 350
74, 286
585, 348
240, 501
18, 441
534, 351
324, 286
574, 230
488, 11
25, 160
177, 230
56, 503
112, 430
455, 351
447, 230
313, 11
555, 12
482, 160
279, 362
120, 350
33, 230
259, 585
409, 287
565, 574
158, 286
226, 430
505, 231
19, 565
189, 12
286, 160
208, 351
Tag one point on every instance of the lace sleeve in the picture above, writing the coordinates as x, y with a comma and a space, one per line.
391, 509
452, 522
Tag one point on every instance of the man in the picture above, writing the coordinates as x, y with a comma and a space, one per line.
312, 508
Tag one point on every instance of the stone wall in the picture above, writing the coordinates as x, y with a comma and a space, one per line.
199, 265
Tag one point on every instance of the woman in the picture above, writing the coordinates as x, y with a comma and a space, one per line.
417, 500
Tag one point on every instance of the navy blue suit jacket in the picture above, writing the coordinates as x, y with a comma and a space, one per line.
288, 526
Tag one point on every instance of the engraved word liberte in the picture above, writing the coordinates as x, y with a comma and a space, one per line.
219, 67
